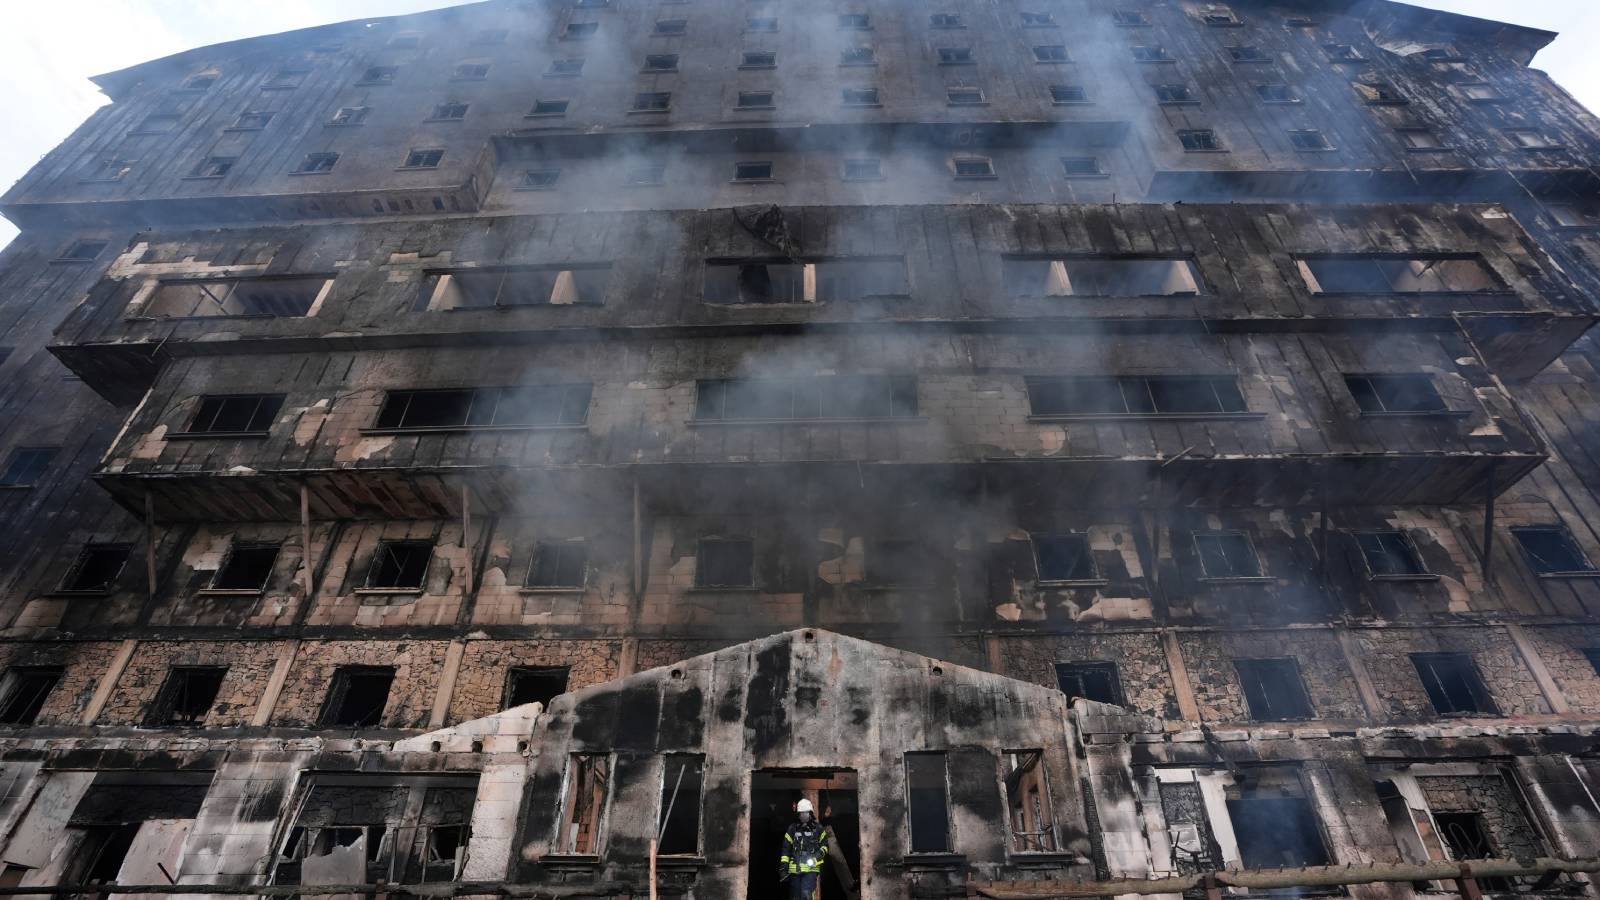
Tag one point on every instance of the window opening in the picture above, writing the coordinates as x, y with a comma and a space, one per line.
238, 414
96, 569
1395, 275
1378, 394
1096, 681
357, 697
247, 568
1227, 554
535, 684
1031, 815
720, 562
283, 297
187, 696
25, 690
1063, 557
1551, 550
679, 825
588, 785
27, 465
558, 564
510, 407
927, 803
1273, 689
1389, 554
399, 564
1134, 395
1453, 684
821, 397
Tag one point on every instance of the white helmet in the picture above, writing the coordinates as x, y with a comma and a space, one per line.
804, 806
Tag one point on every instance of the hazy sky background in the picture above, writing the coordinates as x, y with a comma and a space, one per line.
51, 47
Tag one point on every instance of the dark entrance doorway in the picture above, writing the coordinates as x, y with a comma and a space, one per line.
773, 794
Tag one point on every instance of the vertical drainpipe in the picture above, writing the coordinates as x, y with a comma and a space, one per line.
1488, 524
150, 543
306, 561
466, 529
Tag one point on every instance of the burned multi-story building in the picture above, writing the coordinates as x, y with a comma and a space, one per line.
1084, 446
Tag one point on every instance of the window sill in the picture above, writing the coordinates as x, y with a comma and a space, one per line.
658, 71
1178, 102
215, 435
1557, 576
862, 106
69, 261
203, 177
16, 487
1071, 102
756, 68
563, 75
680, 862
967, 63
502, 307
1430, 149
1237, 579
721, 589
736, 423
304, 174
1423, 576
229, 592
934, 860
68, 595
1155, 62
954, 104
1154, 417
465, 429
416, 168
516, 190
1098, 176
1497, 292
881, 588
1073, 583
1316, 149
571, 860
550, 590
754, 181
767, 108
883, 178
975, 177
1282, 102
201, 319
391, 591
1205, 151
452, 119
648, 112
373, 83
559, 115
1428, 414
1044, 857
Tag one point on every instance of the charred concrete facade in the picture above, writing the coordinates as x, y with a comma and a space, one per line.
1074, 439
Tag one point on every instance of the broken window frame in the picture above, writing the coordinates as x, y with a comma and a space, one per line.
70, 584
945, 20
843, 279
254, 412
964, 95
807, 399
581, 769
539, 180
24, 690
1026, 807
1248, 53
894, 562
549, 107
1083, 571
375, 76
518, 674
254, 298
558, 572
386, 556
862, 168
758, 59
1244, 565
350, 115
1151, 53
681, 799
706, 579
652, 102
171, 707
1135, 397
754, 100
422, 158
1280, 824
531, 406
753, 170
1051, 54
917, 838
82, 250
1129, 18
398, 849
1200, 140
1260, 678
213, 167
1082, 167
860, 97
1395, 394
1391, 555
1385, 280
26, 465
670, 27
1174, 93
1069, 95
955, 56
317, 164
220, 578
1568, 544
511, 286
1081, 671
1276, 92
333, 713
449, 111
1470, 697
1310, 140
657, 63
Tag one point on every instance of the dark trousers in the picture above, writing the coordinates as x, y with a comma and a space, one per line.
803, 886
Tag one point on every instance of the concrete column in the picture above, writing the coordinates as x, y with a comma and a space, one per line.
102, 691
629, 661
991, 644
447, 683
275, 681
1541, 672
1351, 650
1188, 708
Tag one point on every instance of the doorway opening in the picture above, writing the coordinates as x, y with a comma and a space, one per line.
773, 795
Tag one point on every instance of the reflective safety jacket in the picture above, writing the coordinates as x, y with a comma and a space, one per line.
805, 846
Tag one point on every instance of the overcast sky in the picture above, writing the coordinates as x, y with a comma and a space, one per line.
51, 47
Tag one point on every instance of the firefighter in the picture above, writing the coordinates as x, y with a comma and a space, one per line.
805, 846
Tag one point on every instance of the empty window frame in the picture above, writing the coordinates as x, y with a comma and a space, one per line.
1420, 139
1390, 554
538, 180
1081, 167
515, 286
1480, 92
399, 566
196, 298
317, 164
470, 72
1068, 94
1466, 835
1199, 140
1380, 93
158, 123
23, 692
1274, 830
1342, 53
214, 167
758, 59
1394, 394
1309, 140
964, 96
1551, 550
791, 281
945, 20
1175, 93
1129, 18
286, 80
1151, 53
27, 465
858, 56
973, 167
235, 414
805, 398
1453, 684
535, 684
105, 170
449, 112
550, 107
671, 26
955, 56
1572, 215
558, 565
855, 21
1248, 54
754, 100
927, 803
1096, 681
1029, 811
423, 159
350, 115
82, 251
1276, 92
761, 24
1592, 654
1051, 53
200, 82
570, 67
859, 96
507, 407
1273, 689
186, 696
1134, 395
645, 174
1226, 556
863, 168
587, 789
1529, 139
891, 562
679, 823
248, 567
652, 101
756, 170
1063, 558
96, 569
357, 697
725, 562
1038, 20
579, 30
376, 76
661, 62
1360, 274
